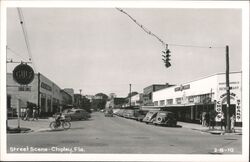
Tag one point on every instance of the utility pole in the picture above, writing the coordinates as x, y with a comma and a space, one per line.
228, 127
130, 95
80, 99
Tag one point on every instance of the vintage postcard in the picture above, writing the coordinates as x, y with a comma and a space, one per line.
125, 81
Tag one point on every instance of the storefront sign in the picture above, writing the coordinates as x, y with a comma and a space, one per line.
238, 111
233, 99
181, 88
23, 74
46, 86
218, 110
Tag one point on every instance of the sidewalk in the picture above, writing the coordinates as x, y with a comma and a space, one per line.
216, 130
30, 126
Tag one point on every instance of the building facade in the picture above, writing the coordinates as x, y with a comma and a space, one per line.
117, 102
137, 99
190, 99
42, 92
70, 91
148, 93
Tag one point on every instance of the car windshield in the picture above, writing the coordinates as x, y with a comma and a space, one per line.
151, 113
162, 113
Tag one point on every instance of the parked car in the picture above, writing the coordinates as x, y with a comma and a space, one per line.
166, 118
74, 114
128, 113
102, 110
120, 112
140, 114
108, 113
150, 117
115, 111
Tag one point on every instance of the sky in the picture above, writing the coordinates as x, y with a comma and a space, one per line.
102, 50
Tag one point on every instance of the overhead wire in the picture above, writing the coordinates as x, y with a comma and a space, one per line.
21, 19
157, 37
141, 26
15, 53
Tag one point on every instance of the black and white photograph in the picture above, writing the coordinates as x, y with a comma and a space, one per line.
125, 81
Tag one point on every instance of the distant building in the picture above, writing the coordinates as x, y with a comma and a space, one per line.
70, 91
117, 102
148, 91
67, 100
77, 100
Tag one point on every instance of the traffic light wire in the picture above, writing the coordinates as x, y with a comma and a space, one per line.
152, 34
21, 18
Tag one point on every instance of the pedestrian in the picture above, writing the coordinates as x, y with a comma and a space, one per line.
27, 114
233, 122
34, 113
200, 116
212, 118
22, 113
223, 122
203, 119
207, 119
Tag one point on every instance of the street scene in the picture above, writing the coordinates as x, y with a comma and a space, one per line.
119, 135
124, 80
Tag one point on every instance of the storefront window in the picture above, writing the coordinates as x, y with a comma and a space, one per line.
43, 102
178, 100
169, 101
49, 104
156, 103
162, 102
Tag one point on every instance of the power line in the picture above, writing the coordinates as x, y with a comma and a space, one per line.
21, 18
158, 38
141, 26
12, 51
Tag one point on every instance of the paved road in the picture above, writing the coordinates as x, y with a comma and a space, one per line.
118, 135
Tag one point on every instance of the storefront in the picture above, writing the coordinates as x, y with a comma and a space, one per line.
42, 92
190, 100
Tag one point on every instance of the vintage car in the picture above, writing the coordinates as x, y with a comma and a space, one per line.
165, 118
120, 112
108, 113
76, 114
128, 113
150, 117
140, 114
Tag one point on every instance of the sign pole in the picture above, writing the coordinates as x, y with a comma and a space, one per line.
228, 127
18, 113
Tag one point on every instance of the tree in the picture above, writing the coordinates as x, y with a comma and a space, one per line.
102, 95
99, 101
132, 94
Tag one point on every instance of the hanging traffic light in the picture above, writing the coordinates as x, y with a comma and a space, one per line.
166, 56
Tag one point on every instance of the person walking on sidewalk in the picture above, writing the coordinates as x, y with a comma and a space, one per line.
203, 120
223, 121
207, 119
27, 114
22, 113
212, 119
233, 122
34, 113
